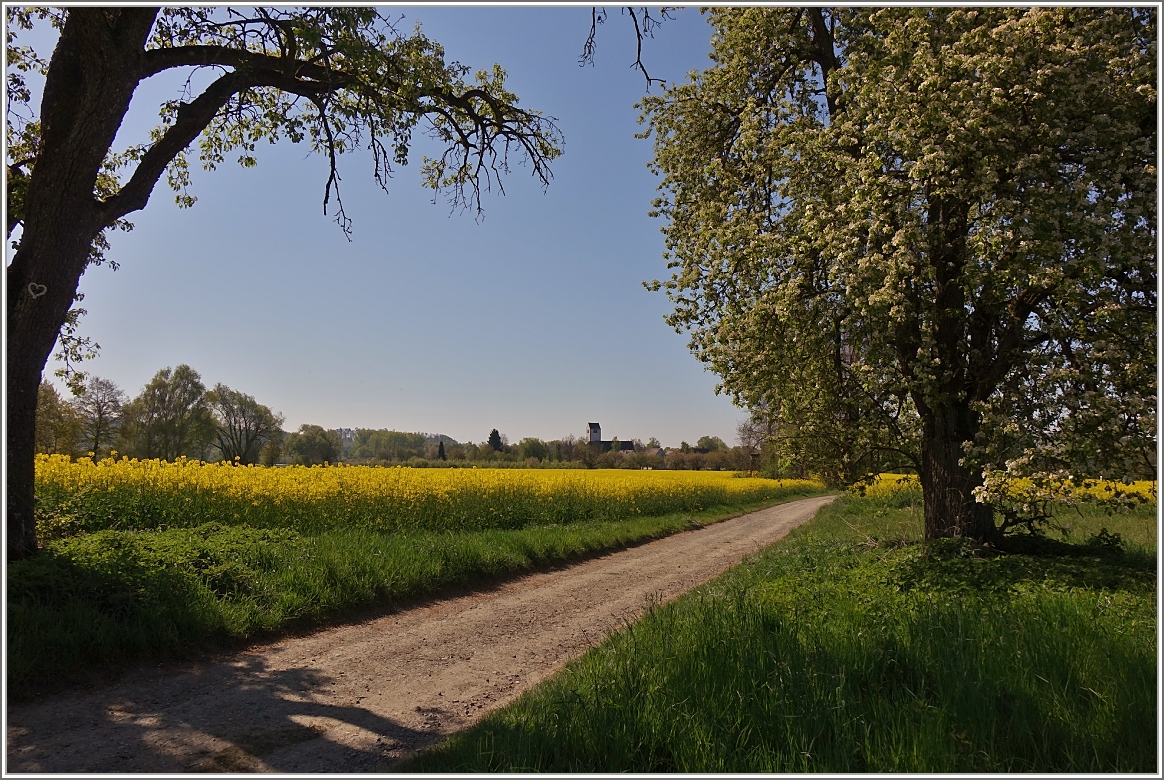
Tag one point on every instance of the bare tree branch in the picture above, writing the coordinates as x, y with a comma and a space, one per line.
597, 17
645, 30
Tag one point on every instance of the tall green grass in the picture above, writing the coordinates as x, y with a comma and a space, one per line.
851, 647
96, 602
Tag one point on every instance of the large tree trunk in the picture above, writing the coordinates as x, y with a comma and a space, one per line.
947, 485
20, 464
90, 81
948, 420
40, 292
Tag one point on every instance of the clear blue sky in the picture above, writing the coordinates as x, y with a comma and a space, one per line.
532, 320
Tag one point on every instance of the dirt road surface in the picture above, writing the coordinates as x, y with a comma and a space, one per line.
359, 698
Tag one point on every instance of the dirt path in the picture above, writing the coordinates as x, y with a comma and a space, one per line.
358, 698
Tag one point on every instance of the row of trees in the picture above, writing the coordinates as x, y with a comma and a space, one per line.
173, 416
386, 447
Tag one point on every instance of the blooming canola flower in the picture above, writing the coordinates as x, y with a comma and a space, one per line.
87, 495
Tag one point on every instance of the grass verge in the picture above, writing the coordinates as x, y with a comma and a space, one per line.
851, 647
91, 604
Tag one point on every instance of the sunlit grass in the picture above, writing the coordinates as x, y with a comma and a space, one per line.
852, 647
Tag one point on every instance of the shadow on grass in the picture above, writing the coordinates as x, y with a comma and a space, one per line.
959, 564
84, 606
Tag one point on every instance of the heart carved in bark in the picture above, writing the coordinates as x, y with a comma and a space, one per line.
36, 290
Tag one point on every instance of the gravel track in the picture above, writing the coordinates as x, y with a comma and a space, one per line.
359, 698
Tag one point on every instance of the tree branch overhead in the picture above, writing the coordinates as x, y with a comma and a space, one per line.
338, 79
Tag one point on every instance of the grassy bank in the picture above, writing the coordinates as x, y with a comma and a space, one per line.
851, 647
96, 602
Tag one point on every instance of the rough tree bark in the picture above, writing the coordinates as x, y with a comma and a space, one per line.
947, 485
91, 79
948, 422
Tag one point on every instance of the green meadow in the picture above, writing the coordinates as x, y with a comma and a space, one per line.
851, 646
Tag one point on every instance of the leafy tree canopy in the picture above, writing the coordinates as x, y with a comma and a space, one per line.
241, 424
58, 424
312, 445
531, 447
926, 234
100, 406
171, 417
711, 443
495, 440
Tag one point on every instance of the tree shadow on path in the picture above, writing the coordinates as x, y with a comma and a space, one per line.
230, 717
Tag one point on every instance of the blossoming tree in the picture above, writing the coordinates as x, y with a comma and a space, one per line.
926, 233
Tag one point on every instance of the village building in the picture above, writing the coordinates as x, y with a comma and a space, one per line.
597, 443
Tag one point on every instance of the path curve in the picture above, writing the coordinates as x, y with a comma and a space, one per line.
359, 698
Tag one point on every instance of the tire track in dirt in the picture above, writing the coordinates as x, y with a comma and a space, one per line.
359, 698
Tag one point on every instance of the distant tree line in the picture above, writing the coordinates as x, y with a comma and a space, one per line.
389, 448
175, 416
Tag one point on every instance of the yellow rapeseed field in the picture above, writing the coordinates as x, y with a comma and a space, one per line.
81, 496
889, 485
